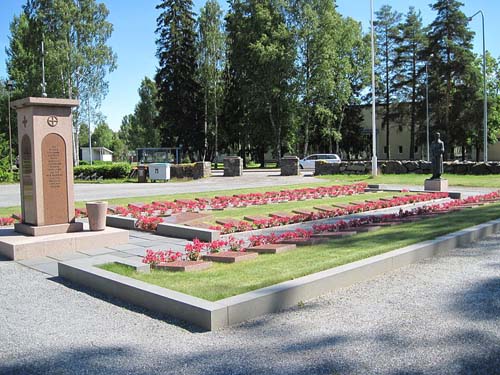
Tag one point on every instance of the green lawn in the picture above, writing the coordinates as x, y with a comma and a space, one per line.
225, 280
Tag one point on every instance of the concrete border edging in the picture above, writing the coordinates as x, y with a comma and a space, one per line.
232, 310
118, 221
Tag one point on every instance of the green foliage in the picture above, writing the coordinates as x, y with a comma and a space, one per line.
106, 170
102, 136
410, 80
210, 48
77, 57
332, 70
5, 174
179, 94
261, 55
139, 129
453, 76
387, 29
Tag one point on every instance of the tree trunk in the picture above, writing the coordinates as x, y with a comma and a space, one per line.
307, 102
413, 109
277, 130
205, 143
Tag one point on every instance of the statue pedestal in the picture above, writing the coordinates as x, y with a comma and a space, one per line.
437, 184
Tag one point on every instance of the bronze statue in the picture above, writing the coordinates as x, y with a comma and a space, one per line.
437, 151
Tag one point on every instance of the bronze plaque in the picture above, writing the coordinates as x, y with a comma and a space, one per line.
26, 164
55, 186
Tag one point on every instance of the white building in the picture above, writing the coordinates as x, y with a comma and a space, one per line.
98, 153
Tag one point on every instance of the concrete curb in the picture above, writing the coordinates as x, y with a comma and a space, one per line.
222, 313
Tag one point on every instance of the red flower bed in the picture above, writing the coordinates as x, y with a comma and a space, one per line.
194, 251
271, 222
240, 200
7, 221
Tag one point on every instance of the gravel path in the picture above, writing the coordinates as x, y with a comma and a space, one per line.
440, 316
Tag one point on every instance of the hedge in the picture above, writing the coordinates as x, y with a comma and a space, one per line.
106, 171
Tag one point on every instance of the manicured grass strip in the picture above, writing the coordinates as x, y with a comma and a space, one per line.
492, 181
264, 210
223, 280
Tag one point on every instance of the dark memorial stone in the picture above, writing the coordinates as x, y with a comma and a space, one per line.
55, 189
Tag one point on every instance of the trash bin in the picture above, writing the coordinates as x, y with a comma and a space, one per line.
159, 171
142, 175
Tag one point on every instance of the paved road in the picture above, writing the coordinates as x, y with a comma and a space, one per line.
10, 196
440, 316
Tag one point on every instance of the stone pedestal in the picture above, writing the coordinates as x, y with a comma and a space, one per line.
45, 131
233, 166
290, 166
436, 184
202, 169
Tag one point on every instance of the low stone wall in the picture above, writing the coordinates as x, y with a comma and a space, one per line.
401, 167
233, 166
193, 170
290, 166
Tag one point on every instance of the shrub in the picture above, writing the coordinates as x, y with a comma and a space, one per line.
6, 176
107, 171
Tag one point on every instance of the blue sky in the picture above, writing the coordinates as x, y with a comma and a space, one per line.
133, 39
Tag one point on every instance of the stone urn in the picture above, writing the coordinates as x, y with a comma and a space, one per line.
96, 213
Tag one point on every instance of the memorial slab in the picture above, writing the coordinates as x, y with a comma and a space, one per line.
45, 128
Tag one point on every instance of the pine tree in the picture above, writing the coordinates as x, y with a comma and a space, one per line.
411, 44
453, 77
387, 29
178, 89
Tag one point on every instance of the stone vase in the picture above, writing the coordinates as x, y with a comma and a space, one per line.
96, 213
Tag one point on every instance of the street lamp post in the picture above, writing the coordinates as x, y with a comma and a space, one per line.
90, 134
485, 95
374, 122
10, 87
427, 107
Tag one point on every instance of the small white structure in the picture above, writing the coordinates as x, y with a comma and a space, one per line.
159, 171
98, 153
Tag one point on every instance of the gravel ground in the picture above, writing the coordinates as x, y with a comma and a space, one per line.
440, 316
